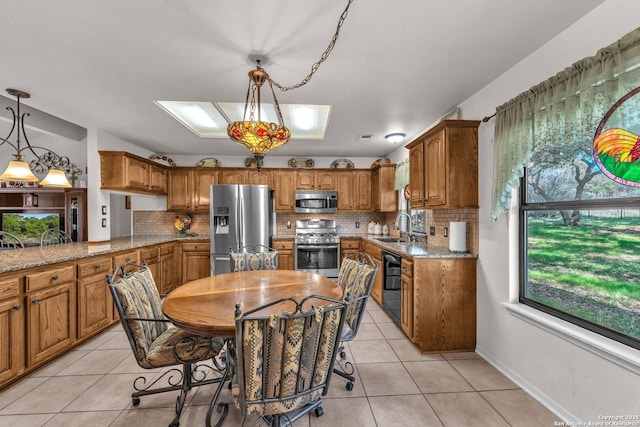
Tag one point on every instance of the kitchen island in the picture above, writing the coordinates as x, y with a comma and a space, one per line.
54, 298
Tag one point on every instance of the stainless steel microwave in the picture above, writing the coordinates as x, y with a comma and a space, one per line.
316, 201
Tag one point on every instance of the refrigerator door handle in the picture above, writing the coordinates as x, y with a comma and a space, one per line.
237, 223
241, 223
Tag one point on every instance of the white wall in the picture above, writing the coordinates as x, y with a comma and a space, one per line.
576, 383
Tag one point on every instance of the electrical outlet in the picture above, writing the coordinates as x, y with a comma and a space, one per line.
432, 231
288, 224
357, 224
446, 232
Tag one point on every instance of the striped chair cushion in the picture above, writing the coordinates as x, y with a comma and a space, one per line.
307, 356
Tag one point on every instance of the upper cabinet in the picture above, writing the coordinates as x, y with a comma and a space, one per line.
188, 188
354, 190
316, 180
127, 172
443, 171
385, 197
284, 190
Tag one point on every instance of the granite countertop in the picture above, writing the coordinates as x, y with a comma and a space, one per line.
16, 259
411, 250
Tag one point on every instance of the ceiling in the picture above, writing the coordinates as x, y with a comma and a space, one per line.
398, 66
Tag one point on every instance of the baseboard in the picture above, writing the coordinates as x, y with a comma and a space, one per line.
532, 391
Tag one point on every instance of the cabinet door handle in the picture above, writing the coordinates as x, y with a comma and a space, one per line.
17, 307
36, 301
97, 266
128, 259
54, 277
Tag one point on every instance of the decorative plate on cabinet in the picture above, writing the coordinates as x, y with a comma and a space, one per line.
407, 192
381, 161
342, 164
209, 162
301, 162
163, 160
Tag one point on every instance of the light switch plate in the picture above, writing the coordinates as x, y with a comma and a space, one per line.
432, 231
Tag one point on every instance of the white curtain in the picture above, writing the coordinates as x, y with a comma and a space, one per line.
570, 104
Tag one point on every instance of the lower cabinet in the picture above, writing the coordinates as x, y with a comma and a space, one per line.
406, 297
12, 350
168, 269
444, 304
151, 256
51, 319
95, 304
284, 247
350, 246
196, 260
375, 253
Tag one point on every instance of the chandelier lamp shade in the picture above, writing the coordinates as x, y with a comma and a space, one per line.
257, 135
18, 169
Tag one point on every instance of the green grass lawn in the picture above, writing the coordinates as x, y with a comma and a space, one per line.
596, 265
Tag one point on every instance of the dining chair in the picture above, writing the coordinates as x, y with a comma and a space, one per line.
54, 236
356, 276
284, 361
9, 241
254, 257
155, 343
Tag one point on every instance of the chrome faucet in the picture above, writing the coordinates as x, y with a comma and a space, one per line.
396, 224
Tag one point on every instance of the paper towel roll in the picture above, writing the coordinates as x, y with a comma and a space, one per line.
458, 236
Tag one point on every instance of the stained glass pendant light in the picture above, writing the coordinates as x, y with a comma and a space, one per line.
257, 135
18, 170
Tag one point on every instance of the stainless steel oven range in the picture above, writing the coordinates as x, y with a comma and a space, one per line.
317, 247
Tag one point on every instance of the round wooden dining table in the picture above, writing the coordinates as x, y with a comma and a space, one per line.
206, 306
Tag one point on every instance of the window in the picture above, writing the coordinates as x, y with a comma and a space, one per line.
580, 234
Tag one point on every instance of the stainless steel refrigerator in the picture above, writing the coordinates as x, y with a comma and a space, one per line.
240, 215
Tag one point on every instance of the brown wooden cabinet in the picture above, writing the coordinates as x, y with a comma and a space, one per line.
188, 188
444, 304
196, 260
354, 190
95, 304
12, 331
349, 246
375, 252
443, 170
385, 197
124, 171
260, 177
285, 253
406, 297
234, 176
316, 180
284, 190
169, 268
51, 311
151, 256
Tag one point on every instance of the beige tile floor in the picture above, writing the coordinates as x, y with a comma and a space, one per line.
396, 386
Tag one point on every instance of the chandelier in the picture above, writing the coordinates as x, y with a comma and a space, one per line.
18, 170
258, 136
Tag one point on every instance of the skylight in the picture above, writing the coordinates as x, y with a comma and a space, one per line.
207, 119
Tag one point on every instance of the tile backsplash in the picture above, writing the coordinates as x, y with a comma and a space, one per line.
158, 222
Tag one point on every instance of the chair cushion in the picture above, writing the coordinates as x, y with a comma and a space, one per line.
238, 261
347, 273
176, 345
139, 298
356, 289
286, 358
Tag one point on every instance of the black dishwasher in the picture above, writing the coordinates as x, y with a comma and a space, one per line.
391, 288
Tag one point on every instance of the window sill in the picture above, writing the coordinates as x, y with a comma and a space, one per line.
618, 353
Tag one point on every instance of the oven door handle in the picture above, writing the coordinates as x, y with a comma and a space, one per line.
317, 246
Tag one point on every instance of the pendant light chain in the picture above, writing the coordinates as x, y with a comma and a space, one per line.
323, 57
